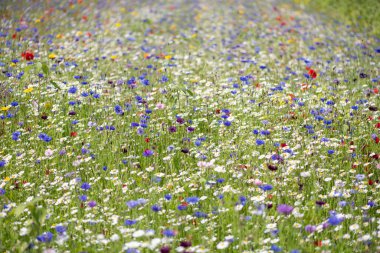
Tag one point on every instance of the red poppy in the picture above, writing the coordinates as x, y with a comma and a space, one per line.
283, 145
312, 73
370, 182
147, 140
73, 134
375, 90
27, 55
377, 140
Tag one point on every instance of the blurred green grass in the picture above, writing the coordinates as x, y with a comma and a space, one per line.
362, 15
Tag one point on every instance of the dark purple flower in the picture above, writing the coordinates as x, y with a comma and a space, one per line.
172, 129
180, 120
185, 244
165, 249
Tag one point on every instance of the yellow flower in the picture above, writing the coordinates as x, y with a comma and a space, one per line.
79, 33
28, 90
52, 56
59, 36
37, 20
12, 64
117, 25
168, 57
113, 57
6, 179
5, 108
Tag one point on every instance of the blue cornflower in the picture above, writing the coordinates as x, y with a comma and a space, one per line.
156, 208
275, 248
266, 187
132, 203
135, 124
168, 233
60, 229
16, 135
243, 200
335, 220
200, 214
227, 123
14, 104
360, 177
260, 142
85, 186
44, 137
130, 222
2, 191
330, 151
168, 196
45, 237
265, 132
83, 198
118, 109
73, 90
181, 207
192, 200
164, 79
220, 180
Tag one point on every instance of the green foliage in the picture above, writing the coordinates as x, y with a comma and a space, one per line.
362, 15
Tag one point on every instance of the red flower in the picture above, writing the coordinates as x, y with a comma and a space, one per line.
375, 90
147, 140
283, 145
312, 73
27, 55
377, 140
378, 125
73, 134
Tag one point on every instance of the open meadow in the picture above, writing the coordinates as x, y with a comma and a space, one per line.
187, 126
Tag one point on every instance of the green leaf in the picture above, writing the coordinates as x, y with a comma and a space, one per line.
18, 210
189, 92
38, 65
55, 85
45, 69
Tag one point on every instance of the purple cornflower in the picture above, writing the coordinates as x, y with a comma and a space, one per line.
92, 203
310, 228
285, 209
148, 152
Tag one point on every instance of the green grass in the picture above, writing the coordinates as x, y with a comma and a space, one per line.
361, 15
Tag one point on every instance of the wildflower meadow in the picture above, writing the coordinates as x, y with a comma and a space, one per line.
187, 126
